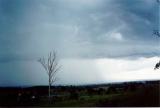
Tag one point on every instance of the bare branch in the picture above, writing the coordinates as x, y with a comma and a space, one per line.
42, 61
54, 80
55, 70
157, 66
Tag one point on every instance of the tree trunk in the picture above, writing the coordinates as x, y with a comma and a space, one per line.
49, 91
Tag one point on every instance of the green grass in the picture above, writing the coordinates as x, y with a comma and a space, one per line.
94, 100
85, 101
148, 96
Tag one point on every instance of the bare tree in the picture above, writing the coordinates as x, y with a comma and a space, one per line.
51, 66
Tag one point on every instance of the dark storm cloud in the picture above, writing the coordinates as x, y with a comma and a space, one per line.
141, 16
99, 28
84, 29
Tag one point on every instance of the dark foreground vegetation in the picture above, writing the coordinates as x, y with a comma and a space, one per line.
122, 94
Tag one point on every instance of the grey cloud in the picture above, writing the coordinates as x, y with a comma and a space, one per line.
36, 27
82, 29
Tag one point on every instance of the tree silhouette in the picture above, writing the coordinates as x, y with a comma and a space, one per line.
51, 66
157, 65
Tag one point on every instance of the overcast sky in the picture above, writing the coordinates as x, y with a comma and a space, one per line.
97, 41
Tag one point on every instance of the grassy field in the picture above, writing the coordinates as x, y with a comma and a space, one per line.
86, 101
126, 99
129, 95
